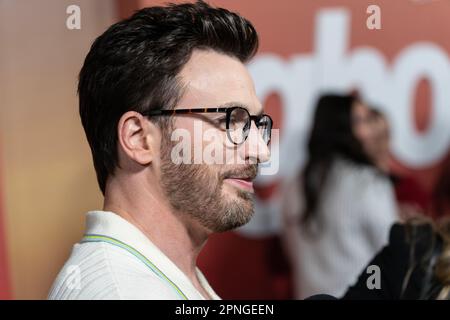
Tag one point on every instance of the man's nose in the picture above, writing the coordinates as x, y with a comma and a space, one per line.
255, 149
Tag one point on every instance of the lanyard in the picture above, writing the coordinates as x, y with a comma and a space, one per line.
137, 254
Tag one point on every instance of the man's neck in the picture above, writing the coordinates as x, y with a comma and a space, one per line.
176, 235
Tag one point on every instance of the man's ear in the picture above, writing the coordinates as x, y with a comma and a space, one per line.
138, 138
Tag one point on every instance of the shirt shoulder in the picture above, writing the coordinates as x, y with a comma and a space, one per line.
98, 270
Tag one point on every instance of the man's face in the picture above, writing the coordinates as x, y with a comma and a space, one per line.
218, 195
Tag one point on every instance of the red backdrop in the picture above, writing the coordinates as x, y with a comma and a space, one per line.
248, 267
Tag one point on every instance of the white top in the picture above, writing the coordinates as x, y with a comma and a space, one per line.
115, 260
354, 216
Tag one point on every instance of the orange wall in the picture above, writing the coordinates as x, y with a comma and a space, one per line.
4, 272
47, 179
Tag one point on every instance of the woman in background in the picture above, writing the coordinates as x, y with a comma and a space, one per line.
412, 199
338, 213
378, 147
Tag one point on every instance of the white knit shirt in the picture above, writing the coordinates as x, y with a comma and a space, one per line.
354, 216
115, 260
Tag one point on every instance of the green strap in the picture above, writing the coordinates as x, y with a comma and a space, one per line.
137, 254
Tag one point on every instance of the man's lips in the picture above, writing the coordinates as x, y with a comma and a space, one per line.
242, 179
243, 183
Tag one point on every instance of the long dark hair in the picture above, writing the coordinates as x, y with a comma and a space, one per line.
331, 136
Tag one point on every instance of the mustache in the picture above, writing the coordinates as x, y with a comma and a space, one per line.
248, 172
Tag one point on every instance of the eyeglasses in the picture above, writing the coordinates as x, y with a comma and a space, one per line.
237, 121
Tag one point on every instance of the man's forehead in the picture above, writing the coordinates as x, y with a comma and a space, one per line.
252, 109
212, 79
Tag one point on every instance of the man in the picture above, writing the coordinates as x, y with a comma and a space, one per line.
147, 80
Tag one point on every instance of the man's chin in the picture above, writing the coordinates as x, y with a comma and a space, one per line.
235, 217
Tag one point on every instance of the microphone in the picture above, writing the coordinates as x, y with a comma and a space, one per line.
321, 297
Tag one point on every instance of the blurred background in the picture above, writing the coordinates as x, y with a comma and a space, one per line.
47, 181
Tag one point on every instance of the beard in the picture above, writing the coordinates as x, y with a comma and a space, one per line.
197, 190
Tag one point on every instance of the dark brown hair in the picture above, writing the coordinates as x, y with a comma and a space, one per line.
134, 66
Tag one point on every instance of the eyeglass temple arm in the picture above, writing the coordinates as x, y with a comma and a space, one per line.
183, 111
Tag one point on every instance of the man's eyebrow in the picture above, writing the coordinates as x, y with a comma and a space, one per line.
238, 104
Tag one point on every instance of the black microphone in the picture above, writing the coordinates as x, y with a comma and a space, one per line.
321, 297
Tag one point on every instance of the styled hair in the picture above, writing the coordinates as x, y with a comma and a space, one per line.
435, 261
442, 269
133, 66
440, 207
331, 137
